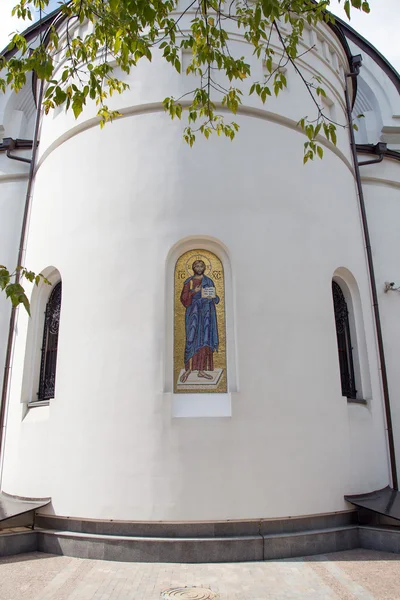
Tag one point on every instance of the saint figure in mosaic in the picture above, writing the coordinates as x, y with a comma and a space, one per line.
199, 298
199, 323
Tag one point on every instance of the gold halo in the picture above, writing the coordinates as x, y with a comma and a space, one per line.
198, 256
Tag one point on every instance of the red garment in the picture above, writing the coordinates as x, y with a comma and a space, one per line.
187, 293
203, 359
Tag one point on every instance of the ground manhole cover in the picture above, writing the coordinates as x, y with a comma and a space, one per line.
189, 593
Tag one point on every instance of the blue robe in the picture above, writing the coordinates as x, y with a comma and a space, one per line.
201, 321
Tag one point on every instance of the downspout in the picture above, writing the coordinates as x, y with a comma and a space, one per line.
380, 150
10, 144
355, 70
10, 342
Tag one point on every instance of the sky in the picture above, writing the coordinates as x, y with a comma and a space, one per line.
381, 27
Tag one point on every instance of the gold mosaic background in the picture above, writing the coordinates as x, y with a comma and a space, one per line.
214, 270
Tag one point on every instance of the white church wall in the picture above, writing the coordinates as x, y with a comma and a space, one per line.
109, 208
381, 184
16, 121
13, 182
12, 188
109, 431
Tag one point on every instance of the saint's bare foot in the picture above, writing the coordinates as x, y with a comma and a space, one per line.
205, 375
185, 376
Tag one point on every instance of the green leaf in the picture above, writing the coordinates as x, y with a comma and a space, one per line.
266, 7
14, 290
4, 278
77, 107
365, 7
59, 96
24, 300
309, 131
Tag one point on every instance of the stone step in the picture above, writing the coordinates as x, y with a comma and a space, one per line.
198, 549
197, 529
18, 542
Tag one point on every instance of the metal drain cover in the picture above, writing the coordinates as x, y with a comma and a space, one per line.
189, 593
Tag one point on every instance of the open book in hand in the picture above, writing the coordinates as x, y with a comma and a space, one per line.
208, 292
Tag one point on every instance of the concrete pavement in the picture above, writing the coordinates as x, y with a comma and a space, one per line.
351, 575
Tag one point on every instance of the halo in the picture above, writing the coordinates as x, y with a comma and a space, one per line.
198, 256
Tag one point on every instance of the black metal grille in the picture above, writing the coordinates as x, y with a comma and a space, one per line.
50, 344
344, 342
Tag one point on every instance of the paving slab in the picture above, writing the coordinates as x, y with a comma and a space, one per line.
350, 575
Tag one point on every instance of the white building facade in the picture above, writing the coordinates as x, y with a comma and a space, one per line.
111, 212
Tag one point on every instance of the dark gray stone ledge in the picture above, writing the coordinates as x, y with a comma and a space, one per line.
197, 529
201, 550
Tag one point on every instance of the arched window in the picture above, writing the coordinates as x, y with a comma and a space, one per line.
345, 349
48, 362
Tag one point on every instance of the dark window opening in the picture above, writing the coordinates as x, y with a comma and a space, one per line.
48, 363
345, 349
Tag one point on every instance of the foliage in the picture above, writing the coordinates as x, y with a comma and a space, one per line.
123, 32
14, 290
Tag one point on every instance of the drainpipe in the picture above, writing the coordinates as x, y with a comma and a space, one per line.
355, 70
10, 144
380, 150
21, 251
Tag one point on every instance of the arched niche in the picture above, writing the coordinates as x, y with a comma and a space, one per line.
34, 341
348, 284
185, 248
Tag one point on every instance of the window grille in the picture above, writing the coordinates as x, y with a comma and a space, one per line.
48, 363
345, 349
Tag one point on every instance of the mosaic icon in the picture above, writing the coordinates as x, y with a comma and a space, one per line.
199, 328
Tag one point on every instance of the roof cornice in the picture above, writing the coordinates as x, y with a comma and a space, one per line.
33, 31
369, 49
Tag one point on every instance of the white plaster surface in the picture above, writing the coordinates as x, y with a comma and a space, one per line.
382, 194
201, 405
